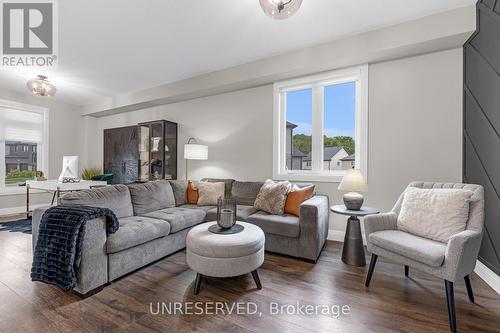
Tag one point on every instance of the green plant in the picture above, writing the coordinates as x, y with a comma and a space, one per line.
88, 173
21, 173
18, 176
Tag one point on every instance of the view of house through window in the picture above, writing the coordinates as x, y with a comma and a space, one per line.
339, 112
339, 126
298, 129
20, 161
21, 143
321, 125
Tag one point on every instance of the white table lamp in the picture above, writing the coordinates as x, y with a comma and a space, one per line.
194, 151
353, 183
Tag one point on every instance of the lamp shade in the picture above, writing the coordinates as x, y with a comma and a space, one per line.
353, 181
194, 151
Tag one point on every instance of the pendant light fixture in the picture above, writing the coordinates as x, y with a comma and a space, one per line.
41, 86
280, 9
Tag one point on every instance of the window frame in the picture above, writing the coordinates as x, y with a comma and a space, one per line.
317, 82
42, 150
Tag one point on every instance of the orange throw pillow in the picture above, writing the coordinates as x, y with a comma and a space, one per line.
192, 194
295, 198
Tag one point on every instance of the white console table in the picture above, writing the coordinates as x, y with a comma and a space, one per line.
56, 188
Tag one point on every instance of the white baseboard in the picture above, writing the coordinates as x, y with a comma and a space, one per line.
17, 210
338, 236
486, 274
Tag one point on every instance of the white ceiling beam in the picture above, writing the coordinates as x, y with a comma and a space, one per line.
429, 34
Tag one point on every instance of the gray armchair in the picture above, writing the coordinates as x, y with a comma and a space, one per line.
451, 262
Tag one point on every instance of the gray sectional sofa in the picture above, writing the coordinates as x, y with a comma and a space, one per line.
155, 219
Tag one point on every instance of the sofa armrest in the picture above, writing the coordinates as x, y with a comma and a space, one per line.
314, 221
93, 270
36, 218
379, 222
461, 254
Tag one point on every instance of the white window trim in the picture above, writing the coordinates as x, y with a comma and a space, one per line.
359, 74
42, 151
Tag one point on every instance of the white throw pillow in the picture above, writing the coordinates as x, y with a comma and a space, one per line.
436, 214
209, 193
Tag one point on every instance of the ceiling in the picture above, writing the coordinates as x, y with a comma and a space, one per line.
114, 47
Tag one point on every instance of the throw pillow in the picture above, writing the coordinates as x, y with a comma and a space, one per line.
436, 214
208, 193
180, 191
296, 197
192, 194
272, 196
151, 196
245, 193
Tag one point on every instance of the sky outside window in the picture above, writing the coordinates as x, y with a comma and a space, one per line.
340, 106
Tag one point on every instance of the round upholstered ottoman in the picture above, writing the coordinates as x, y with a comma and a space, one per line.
225, 255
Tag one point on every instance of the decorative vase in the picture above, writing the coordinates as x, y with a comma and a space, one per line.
226, 213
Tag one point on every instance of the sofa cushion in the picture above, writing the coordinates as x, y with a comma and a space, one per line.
228, 184
136, 230
115, 197
436, 214
179, 218
245, 193
242, 213
203, 208
423, 250
283, 225
179, 187
209, 193
151, 196
272, 197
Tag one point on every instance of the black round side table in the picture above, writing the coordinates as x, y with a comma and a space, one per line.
353, 252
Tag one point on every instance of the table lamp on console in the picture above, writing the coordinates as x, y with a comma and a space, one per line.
353, 183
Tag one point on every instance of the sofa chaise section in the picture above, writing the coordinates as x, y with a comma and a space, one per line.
140, 240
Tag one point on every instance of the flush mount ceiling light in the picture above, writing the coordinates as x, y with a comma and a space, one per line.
280, 9
41, 86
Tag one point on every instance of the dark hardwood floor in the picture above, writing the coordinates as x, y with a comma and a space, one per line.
393, 303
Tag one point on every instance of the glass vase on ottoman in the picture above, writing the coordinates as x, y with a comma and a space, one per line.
226, 217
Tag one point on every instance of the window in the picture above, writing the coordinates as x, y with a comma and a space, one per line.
320, 125
23, 142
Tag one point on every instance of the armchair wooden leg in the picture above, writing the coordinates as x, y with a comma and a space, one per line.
373, 261
451, 305
469, 288
407, 271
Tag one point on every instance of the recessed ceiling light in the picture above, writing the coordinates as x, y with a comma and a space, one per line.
280, 9
41, 86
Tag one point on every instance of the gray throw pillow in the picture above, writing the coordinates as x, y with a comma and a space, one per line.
114, 197
180, 191
151, 196
272, 197
245, 193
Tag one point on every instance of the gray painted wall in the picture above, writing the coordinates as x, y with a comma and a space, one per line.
238, 129
482, 121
